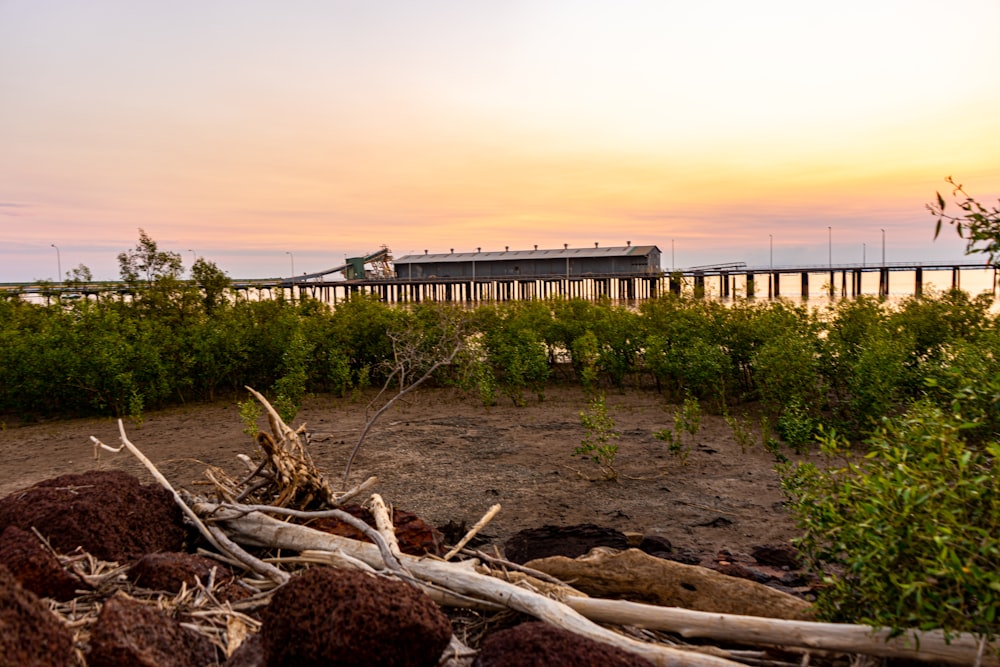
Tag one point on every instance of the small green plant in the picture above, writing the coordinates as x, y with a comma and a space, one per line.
362, 382
486, 384
250, 412
585, 352
687, 419
598, 445
135, 407
742, 428
675, 444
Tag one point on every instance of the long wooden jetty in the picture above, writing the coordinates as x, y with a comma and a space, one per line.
722, 281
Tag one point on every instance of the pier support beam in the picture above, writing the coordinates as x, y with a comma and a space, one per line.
883, 282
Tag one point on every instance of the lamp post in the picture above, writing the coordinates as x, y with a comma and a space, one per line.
771, 238
864, 250
829, 231
58, 262
883, 247
292, 258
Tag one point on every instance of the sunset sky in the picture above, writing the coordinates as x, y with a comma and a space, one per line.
260, 134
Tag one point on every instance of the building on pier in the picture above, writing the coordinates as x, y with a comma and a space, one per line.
565, 262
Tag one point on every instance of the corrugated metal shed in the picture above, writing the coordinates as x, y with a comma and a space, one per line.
611, 260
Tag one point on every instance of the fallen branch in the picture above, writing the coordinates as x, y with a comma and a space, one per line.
350, 494
389, 555
223, 546
928, 645
490, 513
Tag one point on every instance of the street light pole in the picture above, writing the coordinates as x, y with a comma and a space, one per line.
829, 231
292, 258
58, 262
771, 237
883, 247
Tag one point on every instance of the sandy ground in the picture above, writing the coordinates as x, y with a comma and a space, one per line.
444, 456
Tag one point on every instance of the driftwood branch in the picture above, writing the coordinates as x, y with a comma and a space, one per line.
389, 557
383, 522
353, 493
221, 543
490, 513
928, 646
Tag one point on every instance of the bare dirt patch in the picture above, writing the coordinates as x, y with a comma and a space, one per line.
447, 458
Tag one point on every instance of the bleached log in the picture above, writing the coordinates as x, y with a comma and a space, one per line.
928, 646
260, 530
637, 576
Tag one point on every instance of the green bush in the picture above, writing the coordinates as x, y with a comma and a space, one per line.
909, 533
796, 427
787, 371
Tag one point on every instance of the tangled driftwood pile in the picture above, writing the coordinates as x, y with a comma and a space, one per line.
286, 576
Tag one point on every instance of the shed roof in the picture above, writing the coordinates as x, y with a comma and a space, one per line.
559, 253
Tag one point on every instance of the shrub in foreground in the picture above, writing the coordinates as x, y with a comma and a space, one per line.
911, 529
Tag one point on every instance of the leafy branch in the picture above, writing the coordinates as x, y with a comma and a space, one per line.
977, 224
